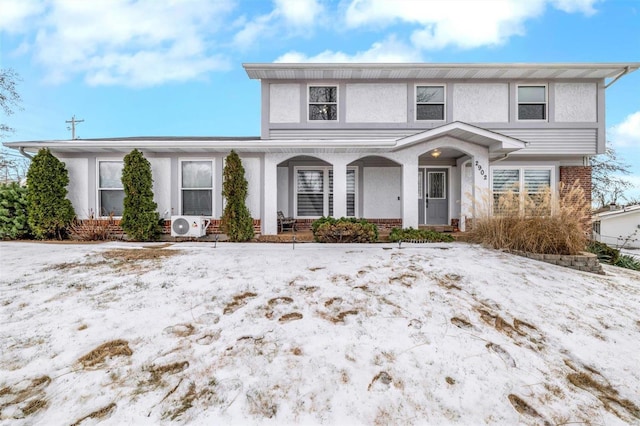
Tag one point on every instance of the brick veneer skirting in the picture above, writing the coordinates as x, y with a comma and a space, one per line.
214, 227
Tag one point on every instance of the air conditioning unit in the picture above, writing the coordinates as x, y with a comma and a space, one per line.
189, 226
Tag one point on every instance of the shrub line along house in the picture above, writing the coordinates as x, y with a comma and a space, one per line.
397, 144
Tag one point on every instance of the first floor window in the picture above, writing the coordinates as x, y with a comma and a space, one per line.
197, 187
110, 189
521, 190
314, 192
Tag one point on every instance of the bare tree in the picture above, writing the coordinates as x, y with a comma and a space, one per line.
607, 182
13, 168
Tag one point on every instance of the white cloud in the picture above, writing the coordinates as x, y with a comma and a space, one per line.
462, 23
129, 42
299, 12
626, 133
14, 14
288, 18
389, 50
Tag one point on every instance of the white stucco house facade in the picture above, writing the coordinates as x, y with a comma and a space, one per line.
397, 144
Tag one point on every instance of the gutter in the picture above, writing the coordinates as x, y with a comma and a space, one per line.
501, 159
29, 156
626, 71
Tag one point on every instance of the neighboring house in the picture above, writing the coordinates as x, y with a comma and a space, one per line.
618, 227
398, 144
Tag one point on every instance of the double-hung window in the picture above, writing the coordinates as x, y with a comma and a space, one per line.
314, 191
110, 188
532, 102
196, 187
323, 103
521, 190
430, 103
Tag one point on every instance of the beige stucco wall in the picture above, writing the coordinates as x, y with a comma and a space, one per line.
376, 103
78, 170
478, 103
576, 102
284, 103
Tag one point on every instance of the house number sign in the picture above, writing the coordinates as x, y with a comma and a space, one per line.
481, 169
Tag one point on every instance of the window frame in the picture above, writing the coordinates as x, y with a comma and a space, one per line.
99, 189
336, 103
443, 103
181, 161
522, 183
545, 103
327, 190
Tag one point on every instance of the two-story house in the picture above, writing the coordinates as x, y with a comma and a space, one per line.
397, 144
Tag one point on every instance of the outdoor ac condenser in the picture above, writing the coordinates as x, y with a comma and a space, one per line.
189, 226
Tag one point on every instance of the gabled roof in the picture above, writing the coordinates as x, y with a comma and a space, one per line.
496, 142
429, 71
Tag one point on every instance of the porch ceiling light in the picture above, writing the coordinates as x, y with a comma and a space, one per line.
436, 153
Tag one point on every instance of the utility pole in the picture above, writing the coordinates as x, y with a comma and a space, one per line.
73, 122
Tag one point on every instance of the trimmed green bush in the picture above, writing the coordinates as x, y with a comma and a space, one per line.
344, 230
13, 212
49, 211
422, 235
605, 253
236, 220
140, 219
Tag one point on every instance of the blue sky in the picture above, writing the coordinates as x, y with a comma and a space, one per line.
150, 67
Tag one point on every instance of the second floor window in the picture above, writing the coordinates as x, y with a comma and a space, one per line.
323, 103
430, 103
532, 103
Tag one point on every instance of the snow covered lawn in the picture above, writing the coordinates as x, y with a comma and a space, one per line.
323, 334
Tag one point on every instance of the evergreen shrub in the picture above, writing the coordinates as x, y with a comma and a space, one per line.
49, 211
344, 230
236, 221
14, 222
140, 219
421, 235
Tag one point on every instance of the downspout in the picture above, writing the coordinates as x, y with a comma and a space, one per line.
29, 156
501, 159
627, 70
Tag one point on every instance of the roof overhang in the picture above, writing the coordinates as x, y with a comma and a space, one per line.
367, 71
495, 142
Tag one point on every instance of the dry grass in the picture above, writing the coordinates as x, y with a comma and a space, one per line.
98, 414
293, 316
158, 371
606, 394
522, 407
93, 229
31, 391
382, 377
238, 301
136, 255
104, 351
541, 223
33, 406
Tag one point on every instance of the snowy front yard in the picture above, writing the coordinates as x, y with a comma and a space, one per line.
323, 334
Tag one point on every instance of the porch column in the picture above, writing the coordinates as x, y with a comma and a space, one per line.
409, 200
269, 196
339, 189
481, 190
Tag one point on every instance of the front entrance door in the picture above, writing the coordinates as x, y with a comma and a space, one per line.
433, 208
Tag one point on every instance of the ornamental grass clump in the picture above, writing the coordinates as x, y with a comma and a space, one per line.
344, 230
543, 222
